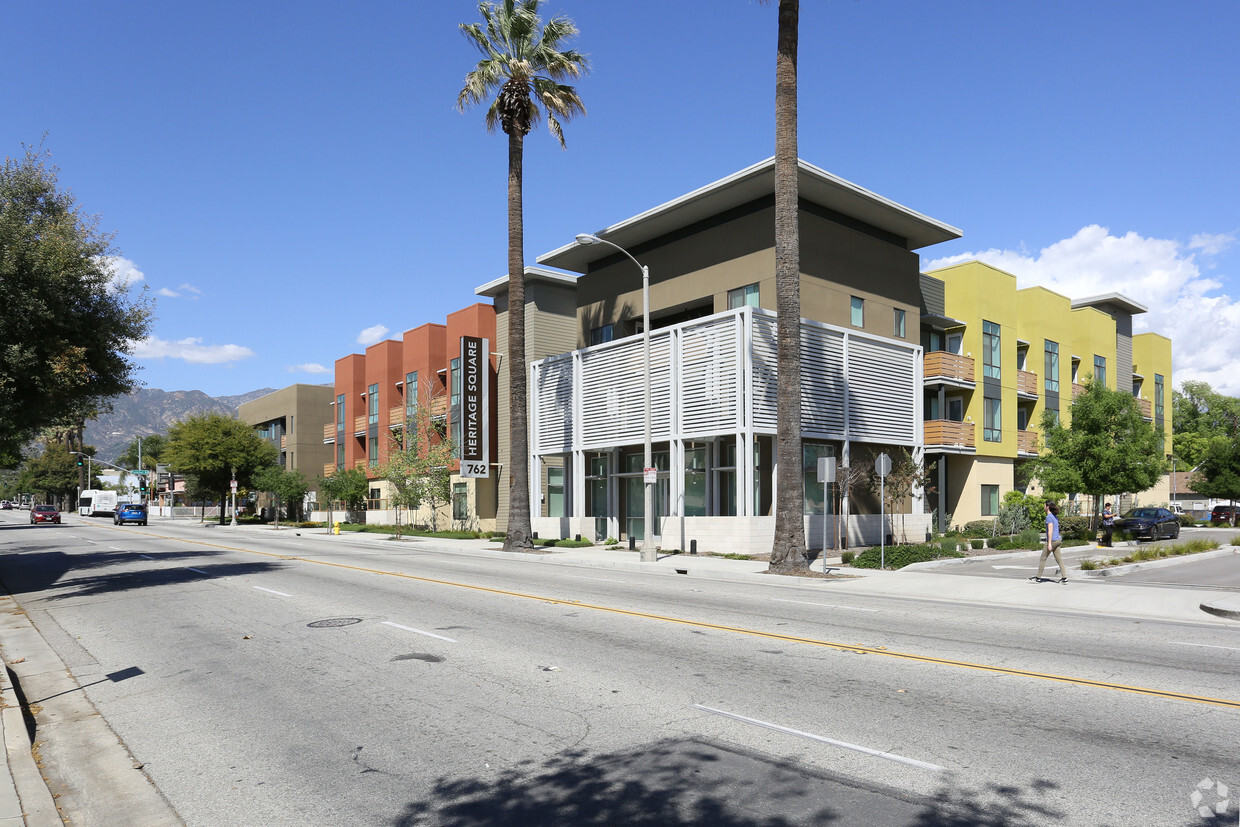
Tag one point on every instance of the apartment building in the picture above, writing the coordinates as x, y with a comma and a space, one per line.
379, 393
712, 368
292, 420
997, 357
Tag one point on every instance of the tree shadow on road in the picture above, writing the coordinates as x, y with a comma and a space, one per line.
694, 782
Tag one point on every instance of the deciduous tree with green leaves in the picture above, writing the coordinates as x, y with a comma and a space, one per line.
348, 486
152, 452
286, 487
1199, 414
53, 474
68, 324
520, 73
1218, 473
212, 447
418, 467
1108, 447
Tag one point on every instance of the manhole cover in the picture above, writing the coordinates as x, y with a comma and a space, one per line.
334, 621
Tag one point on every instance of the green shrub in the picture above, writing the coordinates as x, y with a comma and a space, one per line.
611, 541
1088, 565
979, 528
897, 557
847, 557
582, 543
978, 543
1075, 524
949, 546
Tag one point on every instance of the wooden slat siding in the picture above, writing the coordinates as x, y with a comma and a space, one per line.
947, 432
1147, 408
1026, 382
329, 432
1027, 441
1077, 390
359, 424
553, 404
822, 382
709, 377
881, 393
933, 295
361, 463
941, 364
283, 443
439, 406
765, 379
329, 469
396, 416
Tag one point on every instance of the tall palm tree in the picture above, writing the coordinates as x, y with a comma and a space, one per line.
523, 62
787, 551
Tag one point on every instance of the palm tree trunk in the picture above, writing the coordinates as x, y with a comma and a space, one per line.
787, 552
518, 534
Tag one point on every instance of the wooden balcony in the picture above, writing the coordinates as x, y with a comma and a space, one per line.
329, 469
284, 443
1027, 383
1077, 390
1147, 409
396, 417
329, 433
944, 433
361, 463
359, 425
939, 365
1027, 442
439, 406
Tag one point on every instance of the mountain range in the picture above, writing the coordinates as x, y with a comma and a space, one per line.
149, 411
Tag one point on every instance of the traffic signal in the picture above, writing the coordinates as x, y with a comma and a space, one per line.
142, 484
79, 462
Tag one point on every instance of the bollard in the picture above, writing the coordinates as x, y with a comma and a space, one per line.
534, 535
632, 543
577, 538
693, 546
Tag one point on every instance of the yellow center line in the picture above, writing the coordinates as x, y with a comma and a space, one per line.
740, 630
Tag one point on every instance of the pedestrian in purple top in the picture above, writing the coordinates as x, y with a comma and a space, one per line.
1053, 541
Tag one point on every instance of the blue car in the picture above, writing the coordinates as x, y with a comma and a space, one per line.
130, 513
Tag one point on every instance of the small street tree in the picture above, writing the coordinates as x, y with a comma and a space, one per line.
906, 477
348, 486
419, 462
1108, 448
286, 487
1218, 475
213, 447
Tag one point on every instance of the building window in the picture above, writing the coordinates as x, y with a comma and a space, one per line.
1100, 369
606, 333
858, 312
813, 489
454, 383
897, 327
992, 423
555, 491
1158, 396
460, 501
411, 396
372, 404
457, 424
746, 296
1051, 367
339, 455
990, 500
340, 414
373, 452
990, 350
695, 479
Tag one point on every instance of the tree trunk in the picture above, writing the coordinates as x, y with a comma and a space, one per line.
519, 531
788, 550
223, 506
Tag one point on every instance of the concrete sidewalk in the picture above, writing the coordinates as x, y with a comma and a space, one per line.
1082, 593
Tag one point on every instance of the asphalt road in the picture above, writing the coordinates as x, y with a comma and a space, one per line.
272, 679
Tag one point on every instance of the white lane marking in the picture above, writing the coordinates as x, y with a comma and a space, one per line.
913, 762
1012, 567
114, 548
273, 591
828, 605
200, 571
418, 631
583, 577
1207, 646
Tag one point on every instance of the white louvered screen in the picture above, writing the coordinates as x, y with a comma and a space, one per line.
822, 381
882, 395
709, 371
553, 383
765, 374
613, 393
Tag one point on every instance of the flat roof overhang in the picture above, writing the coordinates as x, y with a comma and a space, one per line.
1117, 300
814, 185
496, 286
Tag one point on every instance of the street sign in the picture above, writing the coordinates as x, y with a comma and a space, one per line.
142, 472
826, 469
882, 465
474, 470
233, 486
650, 476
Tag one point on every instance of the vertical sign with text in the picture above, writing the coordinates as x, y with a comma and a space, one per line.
475, 407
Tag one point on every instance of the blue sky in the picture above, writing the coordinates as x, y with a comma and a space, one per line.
291, 181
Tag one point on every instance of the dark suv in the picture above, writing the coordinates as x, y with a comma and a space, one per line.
1224, 514
130, 513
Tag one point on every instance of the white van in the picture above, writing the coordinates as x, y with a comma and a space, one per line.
95, 503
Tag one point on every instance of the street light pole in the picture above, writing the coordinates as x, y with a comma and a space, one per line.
649, 553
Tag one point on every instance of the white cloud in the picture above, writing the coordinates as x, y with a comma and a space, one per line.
1162, 274
166, 293
191, 349
372, 334
123, 272
189, 288
309, 367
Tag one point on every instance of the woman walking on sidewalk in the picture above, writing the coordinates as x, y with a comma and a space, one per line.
1053, 541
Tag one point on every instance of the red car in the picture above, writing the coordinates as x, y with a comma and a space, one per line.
44, 514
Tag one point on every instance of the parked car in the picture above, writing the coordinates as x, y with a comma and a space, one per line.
44, 514
129, 513
6, 505
1224, 514
1154, 523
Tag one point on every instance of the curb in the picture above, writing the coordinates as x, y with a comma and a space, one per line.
1162, 563
35, 805
1223, 608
